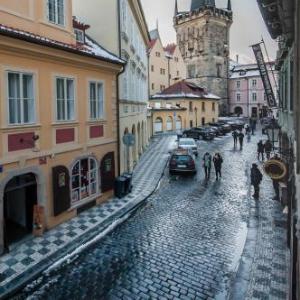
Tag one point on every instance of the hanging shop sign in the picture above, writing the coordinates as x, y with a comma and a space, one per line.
264, 75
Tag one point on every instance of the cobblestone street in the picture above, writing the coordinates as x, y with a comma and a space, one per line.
187, 242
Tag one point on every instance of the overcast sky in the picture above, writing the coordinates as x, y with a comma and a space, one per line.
248, 26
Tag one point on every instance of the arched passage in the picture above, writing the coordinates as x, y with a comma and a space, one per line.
158, 125
169, 123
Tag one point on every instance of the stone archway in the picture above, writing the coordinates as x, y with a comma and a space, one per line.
158, 125
169, 123
41, 193
238, 110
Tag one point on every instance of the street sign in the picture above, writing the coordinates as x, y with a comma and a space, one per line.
129, 139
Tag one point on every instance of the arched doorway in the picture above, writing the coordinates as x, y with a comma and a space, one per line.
238, 110
169, 123
178, 123
158, 125
20, 196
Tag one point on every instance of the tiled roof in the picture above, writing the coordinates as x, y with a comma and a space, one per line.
152, 43
91, 48
185, 89
170, 48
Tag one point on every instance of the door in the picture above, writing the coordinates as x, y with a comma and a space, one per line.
108, 172
20, 196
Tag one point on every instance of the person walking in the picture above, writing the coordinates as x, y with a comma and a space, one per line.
260, 150
241, 139
235, 137
218, 160
207, 164
268, 148
256, 178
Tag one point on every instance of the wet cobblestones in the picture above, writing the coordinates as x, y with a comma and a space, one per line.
184, 244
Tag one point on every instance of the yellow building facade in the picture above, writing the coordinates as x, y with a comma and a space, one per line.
182, 106
58, 112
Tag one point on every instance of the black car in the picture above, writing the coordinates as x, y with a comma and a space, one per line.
182, 161
199, 133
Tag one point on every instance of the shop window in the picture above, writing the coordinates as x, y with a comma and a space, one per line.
21, 98
84, 179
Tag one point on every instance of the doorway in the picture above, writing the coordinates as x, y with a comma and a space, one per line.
20, 196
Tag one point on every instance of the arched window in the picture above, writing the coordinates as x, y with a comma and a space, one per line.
85, 179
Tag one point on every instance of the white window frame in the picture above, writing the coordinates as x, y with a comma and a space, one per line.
238, 97
254, 83
238, 84
21, 99
254, 97
65, 100
56, 16
94, 171
99, 101
79, 35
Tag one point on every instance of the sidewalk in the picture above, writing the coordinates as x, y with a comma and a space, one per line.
36, 254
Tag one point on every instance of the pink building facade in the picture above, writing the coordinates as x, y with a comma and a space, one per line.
246, 91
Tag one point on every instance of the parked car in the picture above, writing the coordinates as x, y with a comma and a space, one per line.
217, 129
223, 128
188, 143
182, 161
198, 133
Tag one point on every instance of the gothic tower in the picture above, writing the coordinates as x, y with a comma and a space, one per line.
203, 39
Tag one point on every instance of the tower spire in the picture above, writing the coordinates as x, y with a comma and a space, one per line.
229, 5
176, 9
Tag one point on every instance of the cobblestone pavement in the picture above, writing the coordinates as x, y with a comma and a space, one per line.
186, 243
34, 254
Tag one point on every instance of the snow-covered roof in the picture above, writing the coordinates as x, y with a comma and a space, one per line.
91, 48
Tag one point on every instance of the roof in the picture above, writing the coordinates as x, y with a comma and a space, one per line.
185, 89
152, 43
170, 48
91, 48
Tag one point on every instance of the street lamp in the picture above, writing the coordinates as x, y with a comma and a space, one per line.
273, 131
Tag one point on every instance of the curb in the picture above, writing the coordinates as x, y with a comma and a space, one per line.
36, 271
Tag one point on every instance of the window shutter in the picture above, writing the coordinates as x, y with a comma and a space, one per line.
107, 172
61, 190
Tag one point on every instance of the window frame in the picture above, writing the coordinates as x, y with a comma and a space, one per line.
99, 116
56, 15
79, 32
21, 99
65, 78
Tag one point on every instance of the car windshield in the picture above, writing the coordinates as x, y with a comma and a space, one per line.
181, 158
186, 143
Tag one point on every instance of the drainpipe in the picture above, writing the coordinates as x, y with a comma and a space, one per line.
118, 90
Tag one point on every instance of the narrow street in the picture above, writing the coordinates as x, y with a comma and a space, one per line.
185, 243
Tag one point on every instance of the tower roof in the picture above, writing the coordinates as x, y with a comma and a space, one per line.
196, 4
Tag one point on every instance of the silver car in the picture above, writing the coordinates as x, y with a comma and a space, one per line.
188, 143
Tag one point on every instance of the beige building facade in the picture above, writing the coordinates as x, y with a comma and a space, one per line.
166, 65
125, 33
58, 111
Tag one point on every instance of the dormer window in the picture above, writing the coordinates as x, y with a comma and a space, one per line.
79, 35
56, 12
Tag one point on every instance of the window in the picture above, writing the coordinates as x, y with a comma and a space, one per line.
254, 83
238, 84
162, 87
84, 179
203, 106
254, 97
157, 54
125, 109
65, 103
96, 101
191, 106
56, 12
177, 73
162, 71
152, 86
238, 97
219, 70
176, 59
213, 106
152, 68
79, 35
191, 71
20, 98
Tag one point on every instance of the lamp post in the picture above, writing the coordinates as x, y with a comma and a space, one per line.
273, 132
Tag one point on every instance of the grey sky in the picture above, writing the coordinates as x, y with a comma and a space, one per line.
247, 28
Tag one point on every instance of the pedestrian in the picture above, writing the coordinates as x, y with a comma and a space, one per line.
256, 178
247, 129
268, 148
235, 137
207, 165
260, 150
218, 160
241, 139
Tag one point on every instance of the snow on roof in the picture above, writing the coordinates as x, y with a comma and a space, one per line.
91, 48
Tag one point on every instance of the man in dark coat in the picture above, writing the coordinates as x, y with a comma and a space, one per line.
256, 178
241, 139
235, 137
268, 148
218, 160
260, 150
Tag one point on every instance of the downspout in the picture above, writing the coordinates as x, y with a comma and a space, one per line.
118, 90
